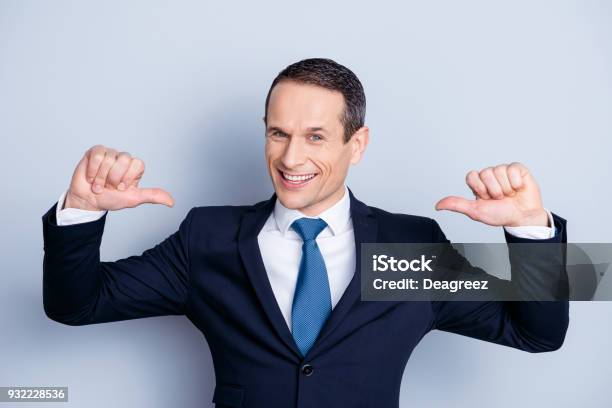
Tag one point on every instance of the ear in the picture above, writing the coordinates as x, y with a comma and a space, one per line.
359, 142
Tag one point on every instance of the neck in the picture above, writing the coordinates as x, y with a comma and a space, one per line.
328, 202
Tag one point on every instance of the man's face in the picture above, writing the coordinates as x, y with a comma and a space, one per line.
305, 151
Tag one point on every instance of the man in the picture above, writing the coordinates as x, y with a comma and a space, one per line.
273, 286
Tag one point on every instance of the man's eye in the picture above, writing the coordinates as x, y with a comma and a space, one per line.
279, 133
316, 137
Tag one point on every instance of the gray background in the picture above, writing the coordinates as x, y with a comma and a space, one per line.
451, 86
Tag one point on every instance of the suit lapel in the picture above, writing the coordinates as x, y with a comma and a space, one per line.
365, 228
248, 246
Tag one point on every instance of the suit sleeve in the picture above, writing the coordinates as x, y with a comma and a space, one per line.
533, 326
79, 289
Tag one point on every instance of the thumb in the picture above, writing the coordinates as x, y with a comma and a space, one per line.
457, 204
154, 196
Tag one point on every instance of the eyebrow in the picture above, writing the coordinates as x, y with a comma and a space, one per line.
316, 129
271, 128
310, 129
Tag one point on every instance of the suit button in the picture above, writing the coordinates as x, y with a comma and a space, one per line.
307, 370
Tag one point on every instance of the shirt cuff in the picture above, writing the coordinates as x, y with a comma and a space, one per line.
70, 216
535, 231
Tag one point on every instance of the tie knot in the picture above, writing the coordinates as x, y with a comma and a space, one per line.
308, 228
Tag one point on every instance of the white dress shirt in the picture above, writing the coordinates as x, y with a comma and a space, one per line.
281, 246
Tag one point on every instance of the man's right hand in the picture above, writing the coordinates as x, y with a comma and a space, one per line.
106, 179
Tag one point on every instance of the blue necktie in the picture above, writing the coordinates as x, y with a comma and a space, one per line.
312, 298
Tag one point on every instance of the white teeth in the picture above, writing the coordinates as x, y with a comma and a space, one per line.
298, 178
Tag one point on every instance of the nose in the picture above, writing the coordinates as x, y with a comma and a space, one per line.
294, 154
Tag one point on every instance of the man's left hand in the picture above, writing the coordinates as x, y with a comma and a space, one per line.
506, 195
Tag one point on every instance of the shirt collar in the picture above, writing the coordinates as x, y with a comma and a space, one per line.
337, 216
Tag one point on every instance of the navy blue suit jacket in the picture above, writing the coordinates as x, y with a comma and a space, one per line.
211, 270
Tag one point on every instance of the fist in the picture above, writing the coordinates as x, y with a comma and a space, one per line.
505, 195
106, 179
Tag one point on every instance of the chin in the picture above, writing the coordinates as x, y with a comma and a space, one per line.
290, 200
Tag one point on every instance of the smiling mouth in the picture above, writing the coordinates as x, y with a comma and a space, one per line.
296, 180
